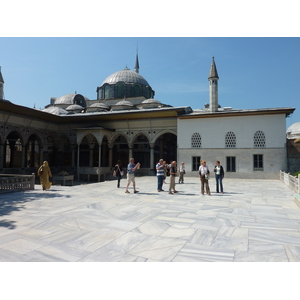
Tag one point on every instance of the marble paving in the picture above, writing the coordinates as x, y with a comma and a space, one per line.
253, 221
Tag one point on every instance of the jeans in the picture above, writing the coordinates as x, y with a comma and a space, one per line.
119, 179
219, 182
160, 181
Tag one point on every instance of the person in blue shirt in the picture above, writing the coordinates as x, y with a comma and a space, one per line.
130, 174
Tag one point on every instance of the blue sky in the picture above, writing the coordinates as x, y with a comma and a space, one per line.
257, 69
254, 72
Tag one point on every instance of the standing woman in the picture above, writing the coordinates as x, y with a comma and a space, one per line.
44, 173
181, 172
204, 176
219, 174
119, 172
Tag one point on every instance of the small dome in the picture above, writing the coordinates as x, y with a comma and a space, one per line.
74, 108
99, 105
293, 131
71, 99
151, 101
126, 76
124, 103
55, 110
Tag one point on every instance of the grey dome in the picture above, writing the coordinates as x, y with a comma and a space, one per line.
55, 110
99, 105
126, 76
74, 108
293, 131
70, 99
124, 103
151, 101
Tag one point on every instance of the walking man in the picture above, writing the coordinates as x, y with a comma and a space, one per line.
130, 174
160, 174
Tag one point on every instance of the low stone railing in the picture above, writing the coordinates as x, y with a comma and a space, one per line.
291, 181
16, 183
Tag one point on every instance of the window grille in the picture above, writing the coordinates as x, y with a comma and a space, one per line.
230, 140
258, 162
196, 140
196, 163
230, 164
259, 139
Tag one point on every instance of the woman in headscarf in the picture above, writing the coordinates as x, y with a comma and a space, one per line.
44, 173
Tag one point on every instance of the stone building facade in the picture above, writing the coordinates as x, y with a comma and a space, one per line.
87, 137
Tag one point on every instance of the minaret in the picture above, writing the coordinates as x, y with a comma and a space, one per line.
137, 66
213, 87
1, 86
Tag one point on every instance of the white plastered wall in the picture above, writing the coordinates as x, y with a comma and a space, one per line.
213, 131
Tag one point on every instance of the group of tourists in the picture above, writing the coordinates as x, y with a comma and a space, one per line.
163, 170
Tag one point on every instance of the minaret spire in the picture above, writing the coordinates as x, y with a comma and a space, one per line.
137, 66
213, 87
1, 86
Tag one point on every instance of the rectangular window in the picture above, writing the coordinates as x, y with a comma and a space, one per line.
230, 164
196, 163
258, 162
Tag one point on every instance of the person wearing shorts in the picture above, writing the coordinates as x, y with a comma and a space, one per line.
130, 174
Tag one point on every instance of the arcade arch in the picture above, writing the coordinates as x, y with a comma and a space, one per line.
120, 150
33, 152
165, 147
141, 150
13, 147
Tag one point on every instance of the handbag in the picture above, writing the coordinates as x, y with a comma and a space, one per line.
114, 173
207, 176
121, 172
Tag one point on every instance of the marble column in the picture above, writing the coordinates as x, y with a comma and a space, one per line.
99, 163
78, 154
110, 152
151, 157
91, 158
130, 152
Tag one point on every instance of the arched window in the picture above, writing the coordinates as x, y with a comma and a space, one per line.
136, 91
230, 140
196, 140
121, 90
259, 139
106, 92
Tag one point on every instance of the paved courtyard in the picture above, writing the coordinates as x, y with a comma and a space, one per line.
253, 221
